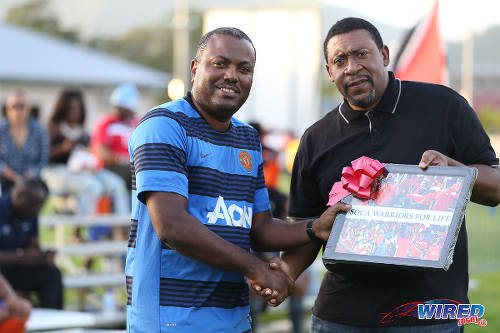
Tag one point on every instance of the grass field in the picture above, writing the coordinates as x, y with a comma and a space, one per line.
487, 294
483, 230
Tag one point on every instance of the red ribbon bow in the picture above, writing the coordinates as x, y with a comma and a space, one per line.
357, 180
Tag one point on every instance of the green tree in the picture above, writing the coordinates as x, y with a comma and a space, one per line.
490, 118
150, 45
36, 15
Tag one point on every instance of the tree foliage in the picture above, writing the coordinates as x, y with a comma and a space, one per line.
150, 45
490, 118
36, 15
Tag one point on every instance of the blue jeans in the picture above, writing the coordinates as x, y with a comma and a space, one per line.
323, 326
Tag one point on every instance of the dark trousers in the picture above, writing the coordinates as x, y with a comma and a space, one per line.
45, 280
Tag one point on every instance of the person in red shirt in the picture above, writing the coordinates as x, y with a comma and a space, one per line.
110, 137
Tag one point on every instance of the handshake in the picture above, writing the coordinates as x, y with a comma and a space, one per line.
277, 278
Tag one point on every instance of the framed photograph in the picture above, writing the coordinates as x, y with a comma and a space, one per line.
413, 220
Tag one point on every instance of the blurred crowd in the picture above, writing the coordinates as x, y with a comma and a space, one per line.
81, 173
73, 163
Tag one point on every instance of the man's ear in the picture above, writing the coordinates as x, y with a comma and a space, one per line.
332, 79
385, 54
193, 67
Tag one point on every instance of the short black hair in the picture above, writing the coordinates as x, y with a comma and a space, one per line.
229, 31
349, 24
32, 185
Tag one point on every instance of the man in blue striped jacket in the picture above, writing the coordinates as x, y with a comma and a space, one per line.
200, 203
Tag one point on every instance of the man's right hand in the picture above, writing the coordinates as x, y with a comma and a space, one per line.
273, 284
277, 263
272, 298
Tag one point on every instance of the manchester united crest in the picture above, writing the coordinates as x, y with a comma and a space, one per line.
246, 160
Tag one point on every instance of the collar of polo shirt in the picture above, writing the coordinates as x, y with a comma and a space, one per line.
388, 103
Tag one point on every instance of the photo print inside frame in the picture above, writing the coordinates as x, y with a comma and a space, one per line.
413, 220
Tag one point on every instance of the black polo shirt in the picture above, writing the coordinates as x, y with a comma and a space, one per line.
411, 117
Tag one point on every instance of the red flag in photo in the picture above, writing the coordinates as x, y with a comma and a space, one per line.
422, 55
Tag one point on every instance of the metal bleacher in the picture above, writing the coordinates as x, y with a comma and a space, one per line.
74, 276
69, 258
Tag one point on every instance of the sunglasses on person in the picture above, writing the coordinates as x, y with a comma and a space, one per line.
17, 106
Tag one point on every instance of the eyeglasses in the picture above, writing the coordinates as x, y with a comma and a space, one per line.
17, 106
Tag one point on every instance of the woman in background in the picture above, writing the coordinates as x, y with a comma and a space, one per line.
72, 169
24, 144
66, 126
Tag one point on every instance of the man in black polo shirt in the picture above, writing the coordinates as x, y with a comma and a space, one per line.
393, 121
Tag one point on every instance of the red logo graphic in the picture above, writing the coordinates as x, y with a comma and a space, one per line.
246, 160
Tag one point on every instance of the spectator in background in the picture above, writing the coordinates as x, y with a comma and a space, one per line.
22, 262
112, 132
73, 169
66, 126
24, 144
272, 169
14, 310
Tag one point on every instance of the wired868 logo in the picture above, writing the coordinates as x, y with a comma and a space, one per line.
463, 313
438, 309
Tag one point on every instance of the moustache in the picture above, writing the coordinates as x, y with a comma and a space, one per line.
228, 85
356, 79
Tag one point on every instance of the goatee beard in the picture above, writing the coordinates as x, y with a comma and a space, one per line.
362, 103
365, 102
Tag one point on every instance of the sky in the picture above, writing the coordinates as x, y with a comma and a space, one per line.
457, 17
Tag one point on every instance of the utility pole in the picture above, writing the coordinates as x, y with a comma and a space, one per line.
467, 80
180, 49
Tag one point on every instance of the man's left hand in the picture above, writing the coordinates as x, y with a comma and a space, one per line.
432, 158
323, 225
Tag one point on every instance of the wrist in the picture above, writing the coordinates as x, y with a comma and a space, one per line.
255, 269
451, 162
311, 232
